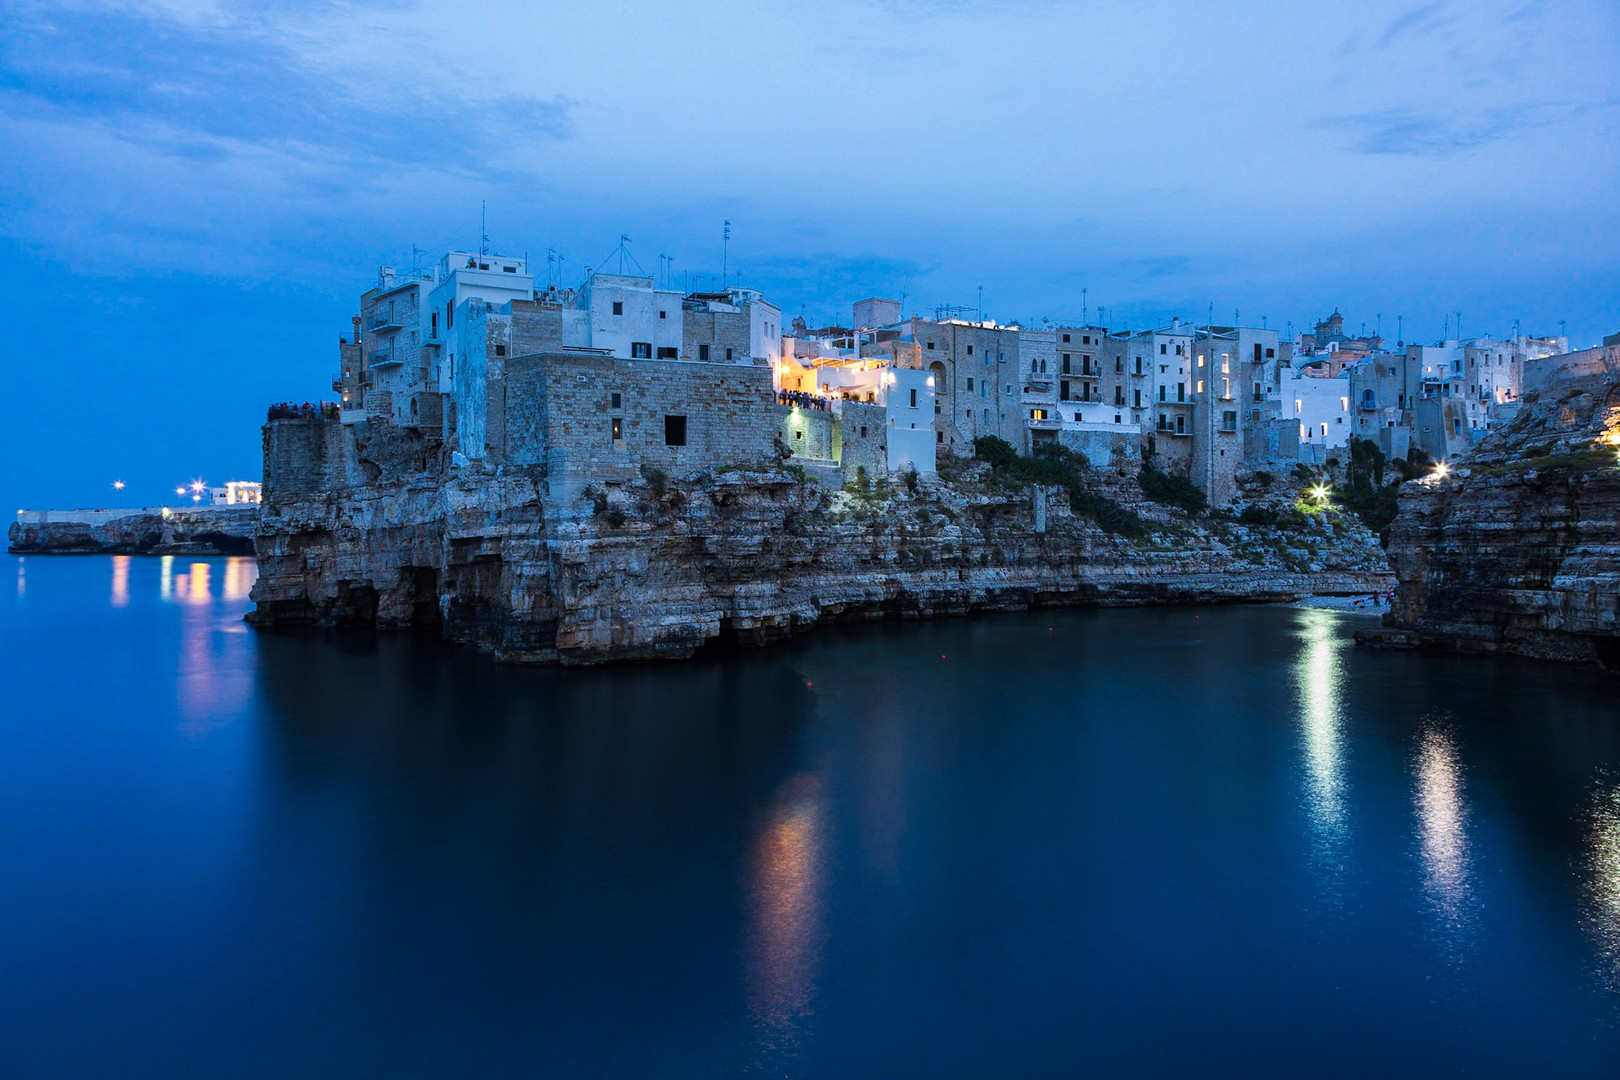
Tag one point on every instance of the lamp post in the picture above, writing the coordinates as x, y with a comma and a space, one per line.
118, 486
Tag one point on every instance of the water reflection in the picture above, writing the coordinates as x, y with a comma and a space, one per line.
22, 580
786, 935
215, 673
166, 578
120, 581
1318, 674
1602, 917
1442, 828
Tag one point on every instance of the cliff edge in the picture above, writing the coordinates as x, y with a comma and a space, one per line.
371, 524
1517, 552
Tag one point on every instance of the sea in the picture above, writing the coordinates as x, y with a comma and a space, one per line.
1213, 841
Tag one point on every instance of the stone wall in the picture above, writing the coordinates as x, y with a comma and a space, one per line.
558, 411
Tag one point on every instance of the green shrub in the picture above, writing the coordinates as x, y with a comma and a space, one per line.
1167, 489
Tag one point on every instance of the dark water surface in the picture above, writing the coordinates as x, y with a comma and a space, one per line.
1220, 841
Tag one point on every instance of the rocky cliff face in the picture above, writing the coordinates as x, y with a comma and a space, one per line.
215, 531
662, 565
1518, 550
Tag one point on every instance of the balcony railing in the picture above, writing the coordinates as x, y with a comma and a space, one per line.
382, 359
382, 325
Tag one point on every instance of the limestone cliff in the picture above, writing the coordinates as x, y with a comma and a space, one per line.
658, 565
1517, 551
208, 531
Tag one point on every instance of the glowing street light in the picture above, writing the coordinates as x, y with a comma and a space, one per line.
1320, 492
180, 490
118, 486
1441, 469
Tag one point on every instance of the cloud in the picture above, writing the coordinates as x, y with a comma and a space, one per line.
1403, 131
1418, 19
196, 89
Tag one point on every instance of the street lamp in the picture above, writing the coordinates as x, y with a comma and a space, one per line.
118, 486
1320, 492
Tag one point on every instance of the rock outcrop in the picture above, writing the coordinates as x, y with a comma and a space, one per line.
1517, 550
224, 530
659, 566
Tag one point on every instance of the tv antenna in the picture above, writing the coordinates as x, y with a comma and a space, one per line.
483, 227
725, 253
626, 260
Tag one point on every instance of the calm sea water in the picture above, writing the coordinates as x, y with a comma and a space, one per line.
1215, 841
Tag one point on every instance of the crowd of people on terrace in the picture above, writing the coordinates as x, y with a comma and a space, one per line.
802, 399
286, 410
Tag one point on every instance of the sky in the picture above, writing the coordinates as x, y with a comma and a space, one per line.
194, 194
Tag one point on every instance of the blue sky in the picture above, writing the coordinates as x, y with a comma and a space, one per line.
195, 193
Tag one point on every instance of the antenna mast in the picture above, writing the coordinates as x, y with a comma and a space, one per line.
725, 253
483, 227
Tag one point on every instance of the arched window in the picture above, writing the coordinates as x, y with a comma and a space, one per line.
1032, 367
937, 370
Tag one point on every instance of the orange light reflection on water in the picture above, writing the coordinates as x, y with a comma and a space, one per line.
120, 581
786, 934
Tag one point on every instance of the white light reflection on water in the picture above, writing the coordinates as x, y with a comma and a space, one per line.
22, 580
1442, 819
120, 581
785, 939
1317, 675
1602, 891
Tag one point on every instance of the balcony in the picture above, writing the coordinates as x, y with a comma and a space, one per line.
382, 325
382, 359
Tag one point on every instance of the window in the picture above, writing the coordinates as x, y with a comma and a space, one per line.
913, 398
1065, 339
930, 346
1119, 365
703, 352
1229, 420
509, 269
1257, 352
1139, 365
1086, 340
668, 352
1226, 388
663, 315
728, 356
500, 350
1136, 401
1119, 395
449, 314
970, 350
675, 431
1163, 348
618, 401
641, 350
1066, 368
863, 431
987, 416
1270, 353
1181, 425
1063, 390
1178, 350
970, 384
1037, 414
1032, 367
939, 436
1161, 393
1078, 417
618, 307
433, 324
1116, 418
618, 429
1181, 391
